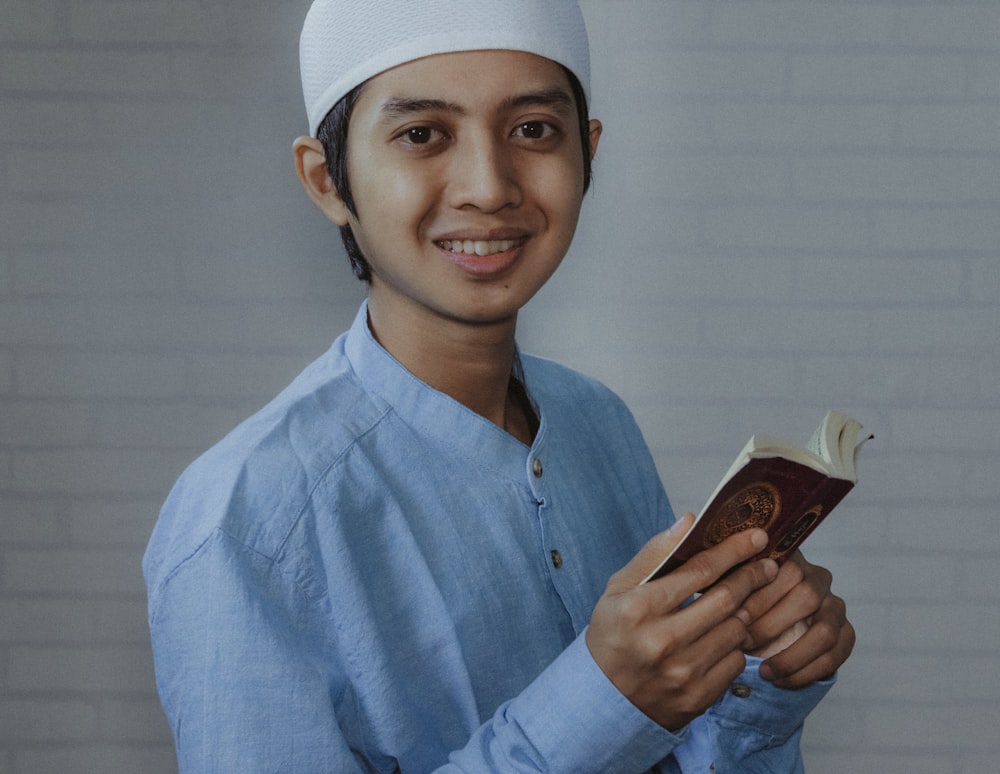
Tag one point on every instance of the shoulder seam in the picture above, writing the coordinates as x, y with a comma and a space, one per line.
322, 477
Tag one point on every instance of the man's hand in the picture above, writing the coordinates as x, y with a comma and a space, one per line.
799, 626
674, 661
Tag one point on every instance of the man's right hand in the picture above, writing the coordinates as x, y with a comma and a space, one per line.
673, 661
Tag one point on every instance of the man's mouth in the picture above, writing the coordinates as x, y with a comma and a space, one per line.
478, 247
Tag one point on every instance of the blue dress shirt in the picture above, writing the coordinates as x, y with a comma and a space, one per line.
366, 576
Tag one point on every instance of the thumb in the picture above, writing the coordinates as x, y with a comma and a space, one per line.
650, 556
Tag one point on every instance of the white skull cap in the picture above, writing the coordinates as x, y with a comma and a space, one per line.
346, 42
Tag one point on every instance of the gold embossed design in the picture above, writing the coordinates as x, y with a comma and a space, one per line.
754, 506
802, 526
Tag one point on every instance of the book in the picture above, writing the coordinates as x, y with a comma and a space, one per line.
779, 486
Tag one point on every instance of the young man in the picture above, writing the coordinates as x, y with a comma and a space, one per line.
402, 563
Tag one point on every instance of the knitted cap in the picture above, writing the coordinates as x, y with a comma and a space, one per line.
346, 42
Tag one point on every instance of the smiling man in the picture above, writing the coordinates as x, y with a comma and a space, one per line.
426, 553
466, 184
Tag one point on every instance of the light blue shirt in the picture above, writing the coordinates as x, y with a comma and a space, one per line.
367, 576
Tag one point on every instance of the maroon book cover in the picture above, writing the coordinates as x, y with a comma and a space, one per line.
785, 498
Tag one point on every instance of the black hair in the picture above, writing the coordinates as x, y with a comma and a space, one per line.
332, 134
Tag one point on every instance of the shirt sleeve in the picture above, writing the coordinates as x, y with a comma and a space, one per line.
570, 719
240, 691
754, 728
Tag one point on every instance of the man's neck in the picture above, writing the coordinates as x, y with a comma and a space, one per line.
472, 363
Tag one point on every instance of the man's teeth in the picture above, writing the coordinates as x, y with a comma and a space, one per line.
478, 247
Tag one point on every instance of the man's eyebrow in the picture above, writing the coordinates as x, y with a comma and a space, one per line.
555, 97
400, 107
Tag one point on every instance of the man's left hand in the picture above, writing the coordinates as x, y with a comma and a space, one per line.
799, 626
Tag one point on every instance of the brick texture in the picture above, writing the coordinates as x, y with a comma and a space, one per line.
795, 207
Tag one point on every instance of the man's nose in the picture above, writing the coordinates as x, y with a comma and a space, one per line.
484, 175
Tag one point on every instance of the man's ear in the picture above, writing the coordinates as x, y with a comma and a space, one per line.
310, 164
595, 136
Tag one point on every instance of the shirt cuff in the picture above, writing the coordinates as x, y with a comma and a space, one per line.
776, 713
576, 719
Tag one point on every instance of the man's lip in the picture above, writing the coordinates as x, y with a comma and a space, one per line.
482, 258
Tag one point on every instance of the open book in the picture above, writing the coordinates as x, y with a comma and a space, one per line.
782, 487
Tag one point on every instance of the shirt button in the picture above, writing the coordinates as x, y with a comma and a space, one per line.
536, 467
556, 559
741, 691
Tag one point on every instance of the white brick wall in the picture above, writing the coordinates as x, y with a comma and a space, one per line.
796, 206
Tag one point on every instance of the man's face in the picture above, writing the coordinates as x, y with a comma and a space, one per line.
466, 175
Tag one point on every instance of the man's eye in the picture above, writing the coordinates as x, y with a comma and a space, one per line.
419, 135
534, 130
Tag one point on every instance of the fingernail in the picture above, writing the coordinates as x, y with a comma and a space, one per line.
770, 568
766, 672
758, 538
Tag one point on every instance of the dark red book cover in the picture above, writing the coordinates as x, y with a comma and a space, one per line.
785, 498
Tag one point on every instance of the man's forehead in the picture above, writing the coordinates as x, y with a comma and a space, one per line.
458, 82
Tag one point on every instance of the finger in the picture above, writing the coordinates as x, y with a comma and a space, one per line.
650, 556
705, 568
725, 599
764, 599
818, 653
691, 685
821, 668
794, 596
726, 670
718, 643
794, 611
779, 643
797, 606
716, 680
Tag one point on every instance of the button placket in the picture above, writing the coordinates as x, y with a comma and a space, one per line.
538, 470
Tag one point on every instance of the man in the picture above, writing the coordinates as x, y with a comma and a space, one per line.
400, 563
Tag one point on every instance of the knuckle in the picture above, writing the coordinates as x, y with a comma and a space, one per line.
725, 595
736, 632
631, 614
729, 594
814, 571
826, 665
654, 646
833, 609
702, 567
794, 572
826, 634
679, 674
807, 597
643, 651
850, 637
751, 577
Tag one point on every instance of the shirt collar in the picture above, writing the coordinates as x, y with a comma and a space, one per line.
431, 412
